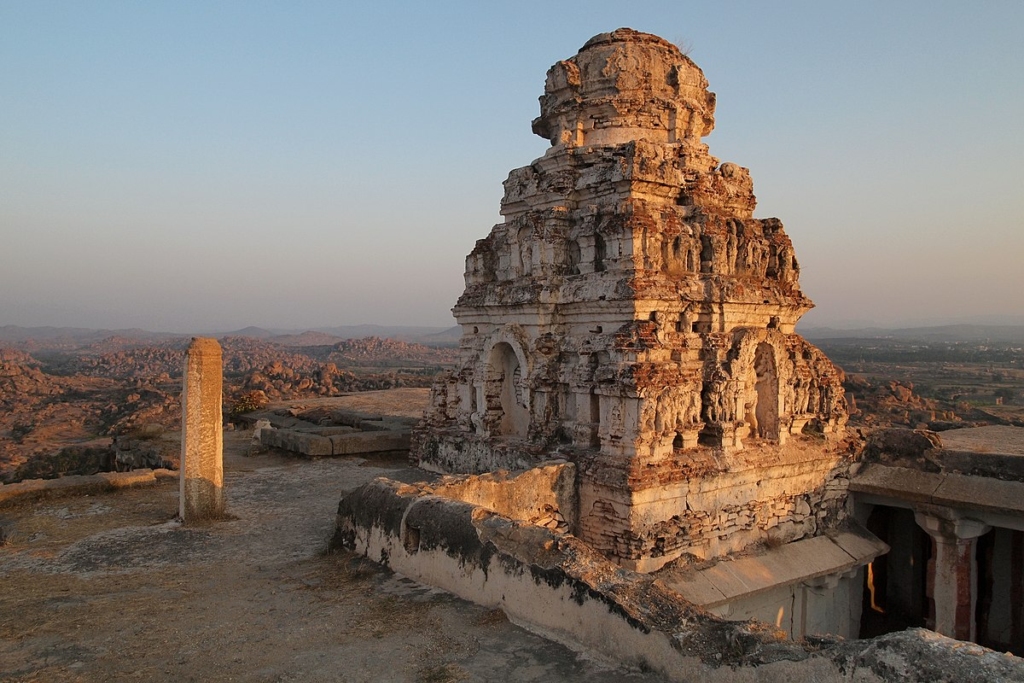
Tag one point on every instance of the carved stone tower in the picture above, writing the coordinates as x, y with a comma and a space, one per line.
632, 316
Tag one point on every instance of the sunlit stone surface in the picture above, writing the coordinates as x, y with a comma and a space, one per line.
202, 436
632, 316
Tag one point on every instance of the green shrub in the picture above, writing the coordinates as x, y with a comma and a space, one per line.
248, 402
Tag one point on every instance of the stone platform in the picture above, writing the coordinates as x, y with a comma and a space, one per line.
347, 425
563, 589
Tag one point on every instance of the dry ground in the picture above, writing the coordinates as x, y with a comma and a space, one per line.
108, 588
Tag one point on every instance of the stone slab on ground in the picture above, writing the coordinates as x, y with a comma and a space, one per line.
351, 443
364, 423
370, 442
297, 442
992, 439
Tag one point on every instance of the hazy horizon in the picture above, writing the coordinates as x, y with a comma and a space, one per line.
401, 329
178, 167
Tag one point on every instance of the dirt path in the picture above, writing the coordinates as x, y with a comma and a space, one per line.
107, 588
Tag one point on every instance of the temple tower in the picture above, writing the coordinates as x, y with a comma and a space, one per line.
631, 315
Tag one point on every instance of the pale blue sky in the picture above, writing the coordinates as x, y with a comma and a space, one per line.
210, 165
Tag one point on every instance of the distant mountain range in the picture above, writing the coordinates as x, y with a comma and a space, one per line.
14, 333
318, 336
329, 335
939, 333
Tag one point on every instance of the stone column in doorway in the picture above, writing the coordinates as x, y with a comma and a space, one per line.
202, 436
953, 573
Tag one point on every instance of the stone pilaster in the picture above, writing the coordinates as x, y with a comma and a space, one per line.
202, 437
953, 573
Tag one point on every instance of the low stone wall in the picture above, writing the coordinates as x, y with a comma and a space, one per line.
555, 584
544, 495
451, 451
134, 453
78, 484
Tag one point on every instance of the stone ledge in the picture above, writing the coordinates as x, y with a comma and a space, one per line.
954, 490
78, 484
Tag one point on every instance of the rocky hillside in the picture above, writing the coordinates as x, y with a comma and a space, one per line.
57, 399
42, 413
386, 351
895, 404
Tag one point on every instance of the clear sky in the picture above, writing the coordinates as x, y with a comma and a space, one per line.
204, 165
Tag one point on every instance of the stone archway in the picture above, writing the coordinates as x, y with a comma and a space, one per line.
506, 393
767, 390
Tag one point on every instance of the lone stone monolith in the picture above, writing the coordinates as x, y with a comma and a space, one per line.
202, 436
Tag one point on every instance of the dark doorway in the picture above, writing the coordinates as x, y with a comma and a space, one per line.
600, 253
895, 585
1000, 607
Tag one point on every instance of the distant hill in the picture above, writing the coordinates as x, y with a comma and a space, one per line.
940, 333
82, 335
450, 336
327, 336
15, 335
400, 332
308, 338
253, 332
322, 336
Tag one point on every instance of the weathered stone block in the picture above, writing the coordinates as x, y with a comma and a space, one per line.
202, 439
373, 442
311, 444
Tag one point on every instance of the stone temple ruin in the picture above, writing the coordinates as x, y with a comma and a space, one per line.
631, 316
640, 454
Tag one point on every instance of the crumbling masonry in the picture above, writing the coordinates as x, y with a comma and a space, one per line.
631, 316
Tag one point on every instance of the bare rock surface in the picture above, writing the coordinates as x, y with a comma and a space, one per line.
107, 588
991, 439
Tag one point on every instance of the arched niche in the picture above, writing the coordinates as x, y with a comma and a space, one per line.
525, 250
766, 386
573, 257
600, 253
507, 398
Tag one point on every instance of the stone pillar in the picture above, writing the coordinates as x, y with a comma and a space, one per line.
953, 573
202, 436
829, 604
1017, 591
